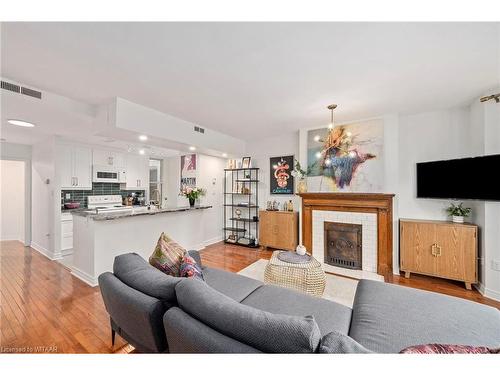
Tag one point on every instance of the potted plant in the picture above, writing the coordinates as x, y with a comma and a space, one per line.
458, 212
192, 193
301, 176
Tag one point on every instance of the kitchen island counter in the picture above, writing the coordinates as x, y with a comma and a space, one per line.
99, 237
136, 211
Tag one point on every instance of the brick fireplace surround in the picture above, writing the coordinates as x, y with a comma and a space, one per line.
379, 204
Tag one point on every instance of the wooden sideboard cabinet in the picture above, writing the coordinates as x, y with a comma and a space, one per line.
439, 248
279, 229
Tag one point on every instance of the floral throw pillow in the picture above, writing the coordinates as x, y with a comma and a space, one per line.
189, 268
449, 349
167, 256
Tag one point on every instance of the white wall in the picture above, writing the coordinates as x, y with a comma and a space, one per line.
12, 201
45, 232
263, 149
211, 178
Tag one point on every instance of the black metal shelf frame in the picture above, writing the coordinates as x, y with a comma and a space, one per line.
243, 225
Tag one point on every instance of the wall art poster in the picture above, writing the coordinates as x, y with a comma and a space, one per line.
281, 179
188, 170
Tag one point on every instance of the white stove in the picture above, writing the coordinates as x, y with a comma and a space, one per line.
106, 203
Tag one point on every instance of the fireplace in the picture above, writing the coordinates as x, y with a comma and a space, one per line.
343, 245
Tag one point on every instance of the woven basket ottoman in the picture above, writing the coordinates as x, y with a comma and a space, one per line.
305, 277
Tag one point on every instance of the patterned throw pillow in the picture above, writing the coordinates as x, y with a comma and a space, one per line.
449, 349
189, 268
167, 256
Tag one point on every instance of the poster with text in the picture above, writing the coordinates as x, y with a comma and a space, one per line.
281, 179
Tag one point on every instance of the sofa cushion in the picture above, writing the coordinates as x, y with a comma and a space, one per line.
134, 271
167, 256
449, 349
189, 268
338, 343
272, 333
232, 285
388, 318
329, 316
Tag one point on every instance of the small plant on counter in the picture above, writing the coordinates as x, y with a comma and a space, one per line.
192, 193
301, 176
458, 212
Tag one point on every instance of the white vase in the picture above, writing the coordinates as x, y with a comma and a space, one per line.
457, 219
301, 250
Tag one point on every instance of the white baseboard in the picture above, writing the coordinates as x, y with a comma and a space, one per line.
490, 293
85, 277
212, 241
67, 252
493, 294
45, 252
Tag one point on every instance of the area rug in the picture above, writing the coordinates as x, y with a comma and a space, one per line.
338, 289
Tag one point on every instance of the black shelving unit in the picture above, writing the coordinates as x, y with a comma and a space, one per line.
241, 192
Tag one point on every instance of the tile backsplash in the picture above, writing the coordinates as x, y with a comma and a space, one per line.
98, 188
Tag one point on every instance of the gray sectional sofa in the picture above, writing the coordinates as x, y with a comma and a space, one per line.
229, 313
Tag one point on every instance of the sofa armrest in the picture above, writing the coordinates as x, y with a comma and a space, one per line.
195, 254
138, 315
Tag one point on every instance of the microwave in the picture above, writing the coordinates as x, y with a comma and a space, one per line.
104, 173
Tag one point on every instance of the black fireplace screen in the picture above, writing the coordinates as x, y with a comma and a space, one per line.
343, 245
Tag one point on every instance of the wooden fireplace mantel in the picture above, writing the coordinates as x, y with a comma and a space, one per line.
377, 203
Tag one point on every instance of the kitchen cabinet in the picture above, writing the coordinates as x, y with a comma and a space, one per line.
66, 231
109, 158
137, 172
75, 167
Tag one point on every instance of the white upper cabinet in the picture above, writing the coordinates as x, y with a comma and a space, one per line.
75, 167
109, 158
137, 172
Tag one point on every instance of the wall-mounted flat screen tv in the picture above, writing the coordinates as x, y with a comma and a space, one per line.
468, 178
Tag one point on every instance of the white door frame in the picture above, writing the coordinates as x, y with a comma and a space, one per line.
27, 197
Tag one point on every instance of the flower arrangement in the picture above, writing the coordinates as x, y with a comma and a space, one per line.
458, 212
192, 193
299, 172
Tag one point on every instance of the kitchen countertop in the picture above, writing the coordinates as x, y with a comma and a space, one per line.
134, 212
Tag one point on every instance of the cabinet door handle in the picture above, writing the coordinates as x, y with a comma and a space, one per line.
436, 250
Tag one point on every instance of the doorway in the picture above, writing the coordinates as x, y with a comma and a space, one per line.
13, 204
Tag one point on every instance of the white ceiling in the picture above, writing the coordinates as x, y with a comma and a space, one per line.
252, 80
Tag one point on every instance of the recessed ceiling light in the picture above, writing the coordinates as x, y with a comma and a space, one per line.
143, 137
21, 123
142, 152
192, 148
224, 155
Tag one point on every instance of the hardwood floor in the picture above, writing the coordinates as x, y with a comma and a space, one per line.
44, 308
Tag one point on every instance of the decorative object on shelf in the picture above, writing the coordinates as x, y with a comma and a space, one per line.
290, 205
231, 238
458, 212
238, 213
301, 177
282, 181
245, 162
346, 157
232, 164
301, 250
192, 193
